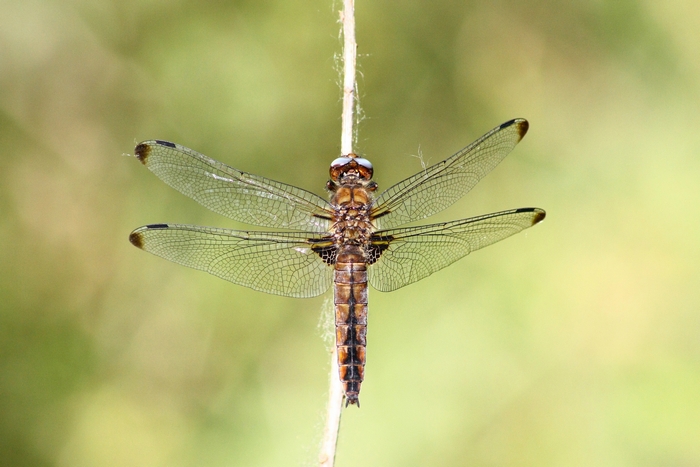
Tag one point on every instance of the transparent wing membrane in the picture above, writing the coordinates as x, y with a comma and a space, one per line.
288, 264
238, 195
439, 186
413, 253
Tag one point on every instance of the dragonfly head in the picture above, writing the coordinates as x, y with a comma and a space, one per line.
351, 166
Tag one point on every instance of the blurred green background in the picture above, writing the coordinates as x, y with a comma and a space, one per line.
576, 343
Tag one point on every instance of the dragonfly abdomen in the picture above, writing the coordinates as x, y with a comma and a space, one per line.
350, 299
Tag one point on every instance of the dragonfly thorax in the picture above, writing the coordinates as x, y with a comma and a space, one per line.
351, 205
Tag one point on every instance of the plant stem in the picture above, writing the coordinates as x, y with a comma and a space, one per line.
347, 17
335, 406
335, 392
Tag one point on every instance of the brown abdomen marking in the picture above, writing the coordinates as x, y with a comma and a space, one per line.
350, 299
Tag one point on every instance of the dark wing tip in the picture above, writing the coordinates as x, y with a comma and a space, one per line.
539, 216
141, 151
521, 125
136, 239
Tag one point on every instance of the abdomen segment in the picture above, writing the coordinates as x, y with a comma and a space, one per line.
350, 299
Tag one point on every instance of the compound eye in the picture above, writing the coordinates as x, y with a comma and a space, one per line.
341, 161
364, 163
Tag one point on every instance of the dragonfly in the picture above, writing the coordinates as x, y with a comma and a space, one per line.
348, 241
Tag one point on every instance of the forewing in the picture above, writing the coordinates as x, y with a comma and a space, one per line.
295, 264
238, 195
440, 185
404, 256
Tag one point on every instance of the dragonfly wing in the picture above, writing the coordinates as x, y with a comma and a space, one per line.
238, 195
295, 264
440, 185
403, 256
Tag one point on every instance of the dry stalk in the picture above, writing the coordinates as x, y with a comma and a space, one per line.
335, 392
